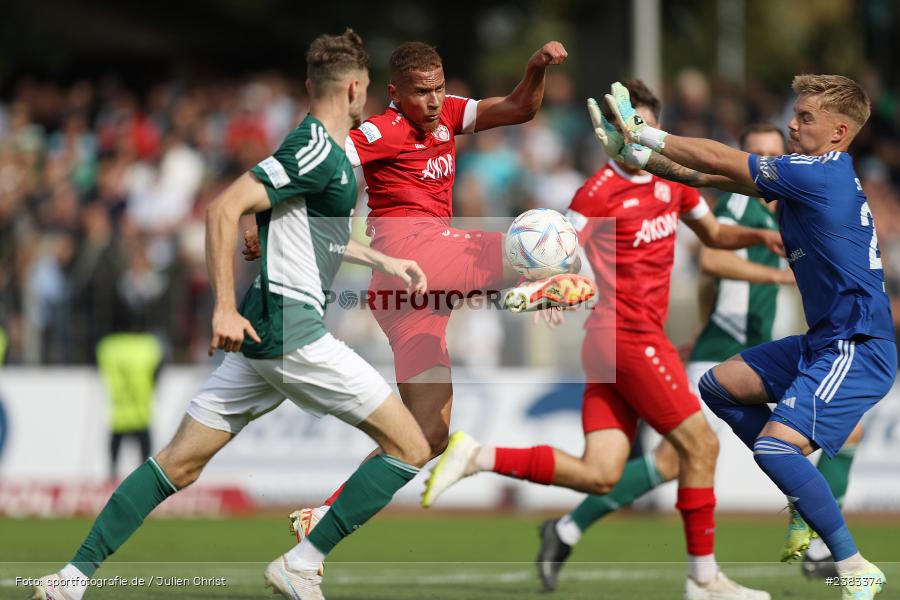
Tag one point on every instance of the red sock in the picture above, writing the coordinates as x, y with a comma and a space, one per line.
697, 506
534, 464
334, 496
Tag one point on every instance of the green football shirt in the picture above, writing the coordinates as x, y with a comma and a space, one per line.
743, 312
302, 239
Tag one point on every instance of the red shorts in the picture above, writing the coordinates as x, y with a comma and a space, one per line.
457, 263
651, 384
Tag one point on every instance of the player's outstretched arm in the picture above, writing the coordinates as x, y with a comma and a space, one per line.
642, 157
725, 264
524, 101
245, 196
663, 167
408, 270
725, 167
733, 237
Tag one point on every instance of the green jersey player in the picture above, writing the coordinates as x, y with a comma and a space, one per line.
277, 345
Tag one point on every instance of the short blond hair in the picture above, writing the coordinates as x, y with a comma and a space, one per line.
836, 94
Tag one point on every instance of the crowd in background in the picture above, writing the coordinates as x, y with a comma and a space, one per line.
103, 190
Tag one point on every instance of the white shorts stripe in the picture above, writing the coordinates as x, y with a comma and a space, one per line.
831, 373
843, 373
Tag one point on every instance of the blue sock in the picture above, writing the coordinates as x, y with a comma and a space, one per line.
746, 420
804, 485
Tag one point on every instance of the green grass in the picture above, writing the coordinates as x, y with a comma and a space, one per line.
433, 556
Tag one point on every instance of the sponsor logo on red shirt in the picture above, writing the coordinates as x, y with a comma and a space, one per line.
438, 167
656, 229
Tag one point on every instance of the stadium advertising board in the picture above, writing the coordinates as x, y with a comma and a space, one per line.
292, 458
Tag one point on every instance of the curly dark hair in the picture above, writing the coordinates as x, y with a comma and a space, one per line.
330, 57
413, 56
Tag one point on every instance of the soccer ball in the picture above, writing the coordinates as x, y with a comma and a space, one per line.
541, 243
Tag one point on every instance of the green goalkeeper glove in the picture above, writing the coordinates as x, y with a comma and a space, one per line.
633, 126
634, 155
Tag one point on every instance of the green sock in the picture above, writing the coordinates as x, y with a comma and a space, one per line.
367, 491
133, 500
836, 471
639, 477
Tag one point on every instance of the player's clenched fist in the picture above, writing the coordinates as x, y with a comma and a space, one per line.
228, 329
552, 53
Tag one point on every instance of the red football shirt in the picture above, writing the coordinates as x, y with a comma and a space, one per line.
408, 171
646, 210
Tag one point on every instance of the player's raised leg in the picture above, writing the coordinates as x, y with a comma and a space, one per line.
595, 472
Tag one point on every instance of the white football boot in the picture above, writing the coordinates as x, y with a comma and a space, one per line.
293, 585
456, 462
721, 588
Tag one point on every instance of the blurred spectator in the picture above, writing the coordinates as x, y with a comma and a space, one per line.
103, 191
555, 187
689, 112
492, 170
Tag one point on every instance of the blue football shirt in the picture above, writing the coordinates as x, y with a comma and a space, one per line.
830, 242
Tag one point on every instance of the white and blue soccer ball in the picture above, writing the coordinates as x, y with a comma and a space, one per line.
541, 243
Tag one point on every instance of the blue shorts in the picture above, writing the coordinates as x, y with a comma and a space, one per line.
823, 393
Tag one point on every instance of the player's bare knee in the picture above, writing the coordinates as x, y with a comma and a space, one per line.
708, 443
417, 453
600, 487
600, 483
742, 382
694, 439
438, 438
666, 460
702, 447
600, 478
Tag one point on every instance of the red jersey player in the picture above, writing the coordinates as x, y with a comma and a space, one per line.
407, 156
408, 160
633, 371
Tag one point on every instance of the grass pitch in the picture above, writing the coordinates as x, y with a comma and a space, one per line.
428, 555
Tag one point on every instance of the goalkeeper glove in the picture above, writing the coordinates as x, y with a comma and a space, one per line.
633, 155
633, 126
